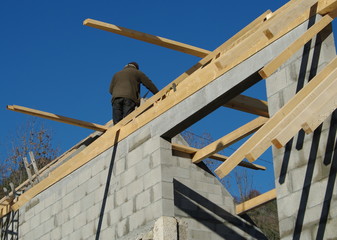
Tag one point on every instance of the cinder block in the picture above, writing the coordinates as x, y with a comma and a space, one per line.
122, 228
115, 216
142, 200
165, 228
67, 228
35, 221
127, 209
128, 176
135, 188
80, 220
143, 166
137, 219
152, 177
93, 213
119, 166
84, 175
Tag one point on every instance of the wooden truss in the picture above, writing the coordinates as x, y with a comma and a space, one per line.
253, 38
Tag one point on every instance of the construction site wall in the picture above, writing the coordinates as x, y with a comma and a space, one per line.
305, 169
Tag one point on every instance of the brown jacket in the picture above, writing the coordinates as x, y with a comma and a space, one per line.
126, 83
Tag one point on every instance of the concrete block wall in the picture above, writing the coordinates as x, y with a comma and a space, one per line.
122, 192
305, 170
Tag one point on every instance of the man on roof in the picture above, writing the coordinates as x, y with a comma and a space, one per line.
125, 90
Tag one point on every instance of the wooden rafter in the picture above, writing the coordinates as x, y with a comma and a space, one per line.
295, 46
58, 118
261, 140
229, 139
256, 202
164, 42
318, 109
190, 151
249, 105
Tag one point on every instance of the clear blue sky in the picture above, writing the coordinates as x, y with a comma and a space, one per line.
49, 61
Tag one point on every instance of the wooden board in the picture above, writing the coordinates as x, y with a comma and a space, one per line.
256, 202
261, 140
249, 105
318, 109
191, 151
229, 139
164, 42
58, 118
283, 118
271, 67
319, 116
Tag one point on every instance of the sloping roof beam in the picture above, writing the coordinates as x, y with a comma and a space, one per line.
58, 118
256, 202
190, 151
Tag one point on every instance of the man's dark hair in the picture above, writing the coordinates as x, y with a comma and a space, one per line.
135, 64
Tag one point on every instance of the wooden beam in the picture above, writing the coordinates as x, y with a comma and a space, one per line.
261, 140
229, 139
249, 105
290, 18
160, 41
319, 116
191, 151
318, 109
283, 118
58, 118
256, 202
326, 6
271, 67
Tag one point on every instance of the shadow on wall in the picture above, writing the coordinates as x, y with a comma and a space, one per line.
107, 186
330, 156
211, 215
9, 226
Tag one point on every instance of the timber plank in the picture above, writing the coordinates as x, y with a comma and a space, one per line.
261, 140
256, 202
164, 42
229, 139
318, 109
191, 151
249, 105
58, 118
290, 110
271, 67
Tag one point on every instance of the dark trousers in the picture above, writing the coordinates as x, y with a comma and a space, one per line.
121, 107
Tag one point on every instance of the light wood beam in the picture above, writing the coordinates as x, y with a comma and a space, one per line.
282, 119
160, 41
261, 140
229, 139
58, 118
255, 202
271, 67
318, 117
249, 105
318, 109
191, 151
290, 18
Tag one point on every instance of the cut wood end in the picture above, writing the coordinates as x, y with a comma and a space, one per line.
250, 157
263, 74
306, 128
10, 107
86, 21
276, 143
220, 173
